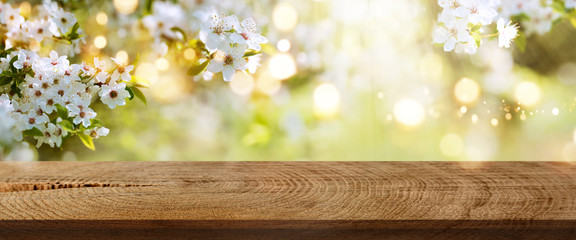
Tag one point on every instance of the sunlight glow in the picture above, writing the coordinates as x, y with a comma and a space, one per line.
285, 16
409, 112
326, 100
466, 91
242, 83
100, 42
125, 7
282, 66
527, 93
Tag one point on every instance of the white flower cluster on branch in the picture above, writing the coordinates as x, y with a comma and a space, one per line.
462, 23
51, 24
225, 45
48, 98
228, 40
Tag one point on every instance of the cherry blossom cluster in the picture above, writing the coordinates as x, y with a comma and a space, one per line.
50, 23
462, 23
164, 24
49, 99
228, 41
225, 44
535, 16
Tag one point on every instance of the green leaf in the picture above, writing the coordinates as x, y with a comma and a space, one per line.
521, 42
87, 141
62, 111
129, 89
66, 125
478, 40
198, 46
16, 90
250, 53
148, 7
72, 33
30, 73
268, 48
198, 67
11, 64
5, 80
95, 122
139, 94
177, 29
138, 81
75, 28
5, 52
33, 132
475, 28
136, 60
558, 6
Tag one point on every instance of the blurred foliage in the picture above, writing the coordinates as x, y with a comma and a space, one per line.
374, 53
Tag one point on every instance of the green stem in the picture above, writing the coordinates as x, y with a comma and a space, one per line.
489, 35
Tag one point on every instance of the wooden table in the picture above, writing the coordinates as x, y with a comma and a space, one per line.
288, 200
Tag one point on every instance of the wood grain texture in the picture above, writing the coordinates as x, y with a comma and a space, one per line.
288, 200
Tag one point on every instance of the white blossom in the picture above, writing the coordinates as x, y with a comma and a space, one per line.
39, 30
249, 34
114, 94
451, 33
122, 71
506, 33
97, 132
62, 19
228, 60
479, 11
214, 31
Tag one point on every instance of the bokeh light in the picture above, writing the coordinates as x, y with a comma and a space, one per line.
147, 71
326, 100
122, 57
189, 54
494, 122
242, 83
285, 16
283, 45
268, 84
100, 42
466, 91
126, 7
25, 9
527, 93
162, 64
409, 112
102, 18
282, 66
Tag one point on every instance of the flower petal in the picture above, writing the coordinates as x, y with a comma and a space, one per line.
228, 73
237, 38
215, 66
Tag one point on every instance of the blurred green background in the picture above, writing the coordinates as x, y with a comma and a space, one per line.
339, 81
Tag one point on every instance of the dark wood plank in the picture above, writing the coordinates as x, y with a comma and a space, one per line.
288, 200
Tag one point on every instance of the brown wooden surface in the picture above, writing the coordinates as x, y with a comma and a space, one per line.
288, 200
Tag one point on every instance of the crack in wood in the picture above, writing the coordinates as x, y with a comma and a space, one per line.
36, 186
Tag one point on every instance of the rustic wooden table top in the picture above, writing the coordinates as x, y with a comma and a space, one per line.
288, 200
